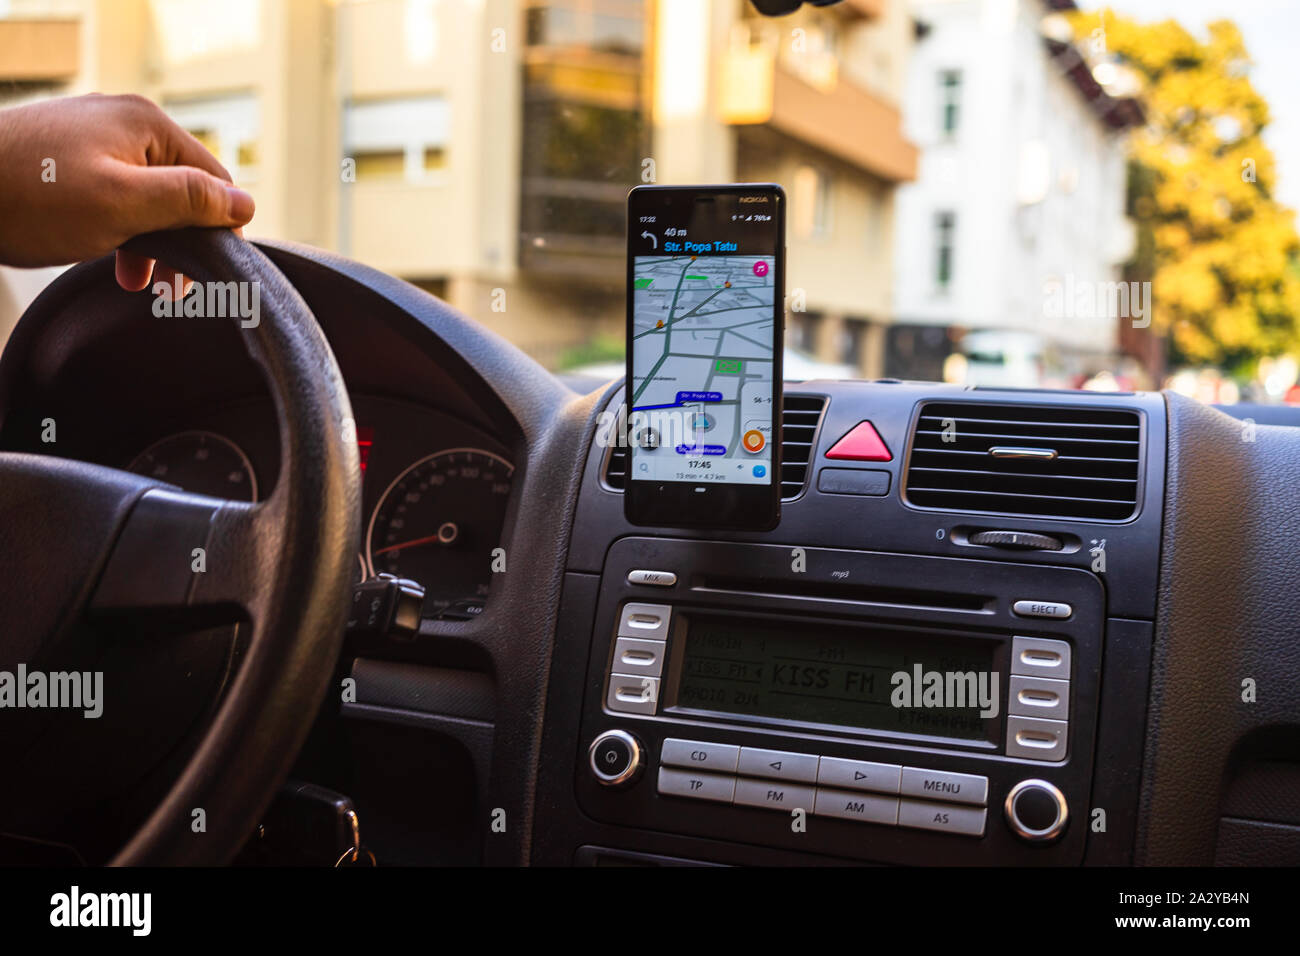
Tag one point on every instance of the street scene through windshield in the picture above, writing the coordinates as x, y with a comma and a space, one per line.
1023, 193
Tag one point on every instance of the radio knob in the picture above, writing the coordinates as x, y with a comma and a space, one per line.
616, 758
1036, 811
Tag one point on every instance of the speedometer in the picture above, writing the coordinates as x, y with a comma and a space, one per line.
439, 523
199, 461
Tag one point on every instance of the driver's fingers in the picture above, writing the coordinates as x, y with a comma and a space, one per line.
136, 272
171, 197
185, 185
133, 270
178, 284
176, 147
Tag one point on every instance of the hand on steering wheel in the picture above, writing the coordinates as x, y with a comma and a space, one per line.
86, 173
82, 539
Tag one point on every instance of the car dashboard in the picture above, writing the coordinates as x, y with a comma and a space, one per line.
1111, 570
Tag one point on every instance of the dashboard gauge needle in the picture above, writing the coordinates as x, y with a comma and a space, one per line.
447, 533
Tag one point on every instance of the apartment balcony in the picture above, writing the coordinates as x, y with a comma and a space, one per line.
572, 228
820, 108
585, 131
39, 51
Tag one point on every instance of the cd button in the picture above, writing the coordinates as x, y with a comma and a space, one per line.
774, 796
858, 775
777, 764
945, 817
699, 755
940, 785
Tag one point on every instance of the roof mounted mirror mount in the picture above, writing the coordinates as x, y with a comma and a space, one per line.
779, 8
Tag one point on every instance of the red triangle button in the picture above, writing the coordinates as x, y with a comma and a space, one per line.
860, 444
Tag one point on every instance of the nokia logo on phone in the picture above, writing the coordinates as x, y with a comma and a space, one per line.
753, 199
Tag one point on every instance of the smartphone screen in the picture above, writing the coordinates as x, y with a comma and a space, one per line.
705, 281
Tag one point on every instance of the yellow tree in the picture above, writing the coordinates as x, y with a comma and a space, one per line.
1220, 251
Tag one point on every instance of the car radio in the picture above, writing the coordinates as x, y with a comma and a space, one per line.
887, 707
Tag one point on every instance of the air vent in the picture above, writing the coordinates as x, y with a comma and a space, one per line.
1026, 460
800, 417
616, 468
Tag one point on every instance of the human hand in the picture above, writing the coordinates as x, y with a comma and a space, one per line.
84, 174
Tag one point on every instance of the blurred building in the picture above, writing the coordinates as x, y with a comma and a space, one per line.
1010, 242
484, 150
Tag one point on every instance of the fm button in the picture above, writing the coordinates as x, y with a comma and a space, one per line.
616, 758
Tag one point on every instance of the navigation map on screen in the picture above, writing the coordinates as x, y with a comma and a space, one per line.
701, 406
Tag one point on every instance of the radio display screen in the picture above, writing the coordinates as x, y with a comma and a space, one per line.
840, 676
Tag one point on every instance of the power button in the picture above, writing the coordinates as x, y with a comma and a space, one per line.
616, 758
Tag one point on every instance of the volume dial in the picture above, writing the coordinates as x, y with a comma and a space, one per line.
616, 758
1036, 810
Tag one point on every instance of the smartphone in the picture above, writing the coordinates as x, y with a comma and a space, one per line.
705, 309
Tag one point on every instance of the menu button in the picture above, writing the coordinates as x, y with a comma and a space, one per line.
939, 785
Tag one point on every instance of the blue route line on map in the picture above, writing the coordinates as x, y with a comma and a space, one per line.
683, 398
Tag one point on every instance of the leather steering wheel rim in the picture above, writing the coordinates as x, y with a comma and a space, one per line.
286, 560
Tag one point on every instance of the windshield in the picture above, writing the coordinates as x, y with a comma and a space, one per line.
1008, 193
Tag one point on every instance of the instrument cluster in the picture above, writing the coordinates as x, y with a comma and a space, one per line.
435, 489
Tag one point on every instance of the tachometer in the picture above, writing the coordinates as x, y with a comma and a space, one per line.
199, 461
439, 523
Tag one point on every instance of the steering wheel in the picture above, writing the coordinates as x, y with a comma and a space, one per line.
82, 539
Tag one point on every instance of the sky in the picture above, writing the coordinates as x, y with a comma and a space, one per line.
1271, 29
